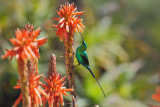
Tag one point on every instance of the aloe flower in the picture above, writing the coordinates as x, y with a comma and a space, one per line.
26, 51
55, 87
35, 91
69, 22
26, 46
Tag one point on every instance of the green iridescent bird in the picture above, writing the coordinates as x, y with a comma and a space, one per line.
82, 59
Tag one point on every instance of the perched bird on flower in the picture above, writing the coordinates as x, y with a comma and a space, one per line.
82, 58
69, 22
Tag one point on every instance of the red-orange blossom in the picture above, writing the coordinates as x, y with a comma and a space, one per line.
25, 44
26, 51
68, 21
55, 87
35, 90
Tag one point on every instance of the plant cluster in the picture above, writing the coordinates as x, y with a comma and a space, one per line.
26, 52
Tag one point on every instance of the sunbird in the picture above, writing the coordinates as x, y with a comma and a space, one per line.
82, 59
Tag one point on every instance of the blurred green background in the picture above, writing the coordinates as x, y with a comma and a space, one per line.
123, 48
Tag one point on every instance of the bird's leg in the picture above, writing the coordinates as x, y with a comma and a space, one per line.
76, 65
73, 53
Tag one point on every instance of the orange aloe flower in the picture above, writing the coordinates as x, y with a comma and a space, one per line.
69, 22
26, 51
153, 106
35, 91
25, 44
54, 88
156, 96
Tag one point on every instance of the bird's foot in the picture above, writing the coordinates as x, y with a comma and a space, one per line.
75, 66
73, 53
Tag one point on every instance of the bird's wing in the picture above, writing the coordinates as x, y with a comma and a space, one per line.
85, 57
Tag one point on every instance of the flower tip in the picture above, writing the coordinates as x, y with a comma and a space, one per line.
16, 87
37, 32
62, 103
39, 29
55, 25
79, 13
18, 30
67, 29
55, 18
41, 41
61, 20
7, 54
83, 11
45, 40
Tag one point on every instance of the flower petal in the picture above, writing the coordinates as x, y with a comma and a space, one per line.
18, 100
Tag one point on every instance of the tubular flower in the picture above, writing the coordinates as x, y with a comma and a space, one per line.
156, 96
69, 22
35, 91
154, 106
55, 89
25, 44
55, 85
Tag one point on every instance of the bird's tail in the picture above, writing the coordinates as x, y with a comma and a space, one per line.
91, 72
96, 80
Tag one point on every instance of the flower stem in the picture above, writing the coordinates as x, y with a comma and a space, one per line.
69, 63
31, 67
51, 71
24, 83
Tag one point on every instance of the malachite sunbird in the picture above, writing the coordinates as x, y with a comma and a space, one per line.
82, 59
